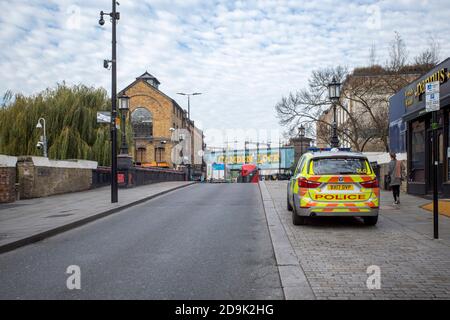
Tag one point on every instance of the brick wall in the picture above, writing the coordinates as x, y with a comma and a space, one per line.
7, 178
40, 177
7, 184
161, 107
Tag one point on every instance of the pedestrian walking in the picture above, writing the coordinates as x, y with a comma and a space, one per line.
395, 175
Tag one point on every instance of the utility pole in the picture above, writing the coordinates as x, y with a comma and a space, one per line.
245, 152
432, 103
435, 176
257, 153
189, 100
114, 17
224, 164
279, 156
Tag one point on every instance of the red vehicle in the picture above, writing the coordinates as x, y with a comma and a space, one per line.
249, 174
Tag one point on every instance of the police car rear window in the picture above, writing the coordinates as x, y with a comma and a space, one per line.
340, 166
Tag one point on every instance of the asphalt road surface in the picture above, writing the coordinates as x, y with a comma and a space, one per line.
206, 241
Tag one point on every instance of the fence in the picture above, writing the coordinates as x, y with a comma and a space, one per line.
135, 176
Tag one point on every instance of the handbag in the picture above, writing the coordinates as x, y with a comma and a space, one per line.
388, 179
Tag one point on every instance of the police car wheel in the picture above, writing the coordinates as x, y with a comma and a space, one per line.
289, 207
298, 220
370, 221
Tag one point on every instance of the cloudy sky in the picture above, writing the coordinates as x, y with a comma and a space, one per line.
243, 55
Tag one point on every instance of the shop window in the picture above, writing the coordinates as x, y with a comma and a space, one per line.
417, 173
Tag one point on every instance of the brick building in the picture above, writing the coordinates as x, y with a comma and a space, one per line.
159, 124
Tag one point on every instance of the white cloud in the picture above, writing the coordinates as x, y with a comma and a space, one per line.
243, 55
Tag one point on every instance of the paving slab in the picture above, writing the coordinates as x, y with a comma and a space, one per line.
335, 253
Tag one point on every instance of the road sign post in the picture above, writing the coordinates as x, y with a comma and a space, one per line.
432, 104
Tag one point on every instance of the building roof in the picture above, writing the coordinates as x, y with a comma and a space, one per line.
148, 76
144, 77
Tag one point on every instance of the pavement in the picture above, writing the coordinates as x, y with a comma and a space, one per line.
26, 221
206, 241
334, 254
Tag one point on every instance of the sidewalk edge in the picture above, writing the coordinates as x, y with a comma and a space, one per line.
72, 225
294, 282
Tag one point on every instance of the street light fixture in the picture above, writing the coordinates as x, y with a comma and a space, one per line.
301, 131
114, 17
334, 93
124, 101
43, 142
189, 100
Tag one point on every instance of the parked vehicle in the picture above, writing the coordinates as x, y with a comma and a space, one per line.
333, 183
249, 174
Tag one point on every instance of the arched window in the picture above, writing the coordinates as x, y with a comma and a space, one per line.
142, 122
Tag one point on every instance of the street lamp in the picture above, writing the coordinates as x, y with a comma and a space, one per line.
301, 131
124, 102
334, 93
189, 100
301, 134
114, 17
43, 142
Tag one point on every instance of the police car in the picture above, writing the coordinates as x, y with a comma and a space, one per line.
332, 183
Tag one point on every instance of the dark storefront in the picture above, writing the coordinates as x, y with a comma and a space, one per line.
410, 131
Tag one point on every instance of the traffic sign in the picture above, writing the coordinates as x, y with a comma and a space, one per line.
103, 117
432, 99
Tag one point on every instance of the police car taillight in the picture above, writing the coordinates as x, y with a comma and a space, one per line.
370, 184
305, 183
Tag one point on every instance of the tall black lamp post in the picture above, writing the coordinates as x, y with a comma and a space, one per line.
334, 93
114, 17
301, 134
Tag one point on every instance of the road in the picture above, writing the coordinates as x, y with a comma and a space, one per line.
207, 241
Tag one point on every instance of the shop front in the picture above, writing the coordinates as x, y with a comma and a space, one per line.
410, 131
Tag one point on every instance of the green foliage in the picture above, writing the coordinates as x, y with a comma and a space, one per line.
71, 119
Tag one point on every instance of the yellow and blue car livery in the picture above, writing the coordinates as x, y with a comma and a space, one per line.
333, 183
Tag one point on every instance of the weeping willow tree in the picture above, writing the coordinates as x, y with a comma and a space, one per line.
71, 119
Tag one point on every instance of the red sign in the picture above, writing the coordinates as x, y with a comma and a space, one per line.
120, 178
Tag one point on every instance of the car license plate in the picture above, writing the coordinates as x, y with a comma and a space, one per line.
340, 187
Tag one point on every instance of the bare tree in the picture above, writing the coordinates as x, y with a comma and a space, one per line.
364, 98
397, 53
364, 101
307, 106
430, 56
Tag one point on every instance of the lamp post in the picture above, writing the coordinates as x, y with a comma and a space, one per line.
43, 142
189, 100
114, 17
334, 92
301, 134
124, 107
